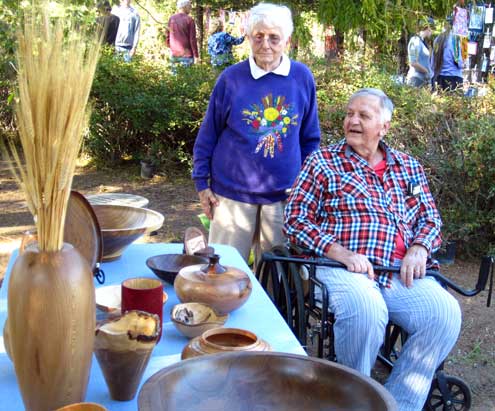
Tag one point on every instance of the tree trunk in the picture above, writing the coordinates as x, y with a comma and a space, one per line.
200, 27
403, 66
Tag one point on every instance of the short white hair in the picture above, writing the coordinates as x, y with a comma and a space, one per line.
270, 15
183, 3
386, 105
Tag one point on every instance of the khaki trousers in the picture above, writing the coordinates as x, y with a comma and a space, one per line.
245, 226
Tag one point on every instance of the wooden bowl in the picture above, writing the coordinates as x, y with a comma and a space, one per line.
262, 381
166, 266
121, 225
83, 406
193, 319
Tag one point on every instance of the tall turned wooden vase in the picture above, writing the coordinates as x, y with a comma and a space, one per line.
51, 321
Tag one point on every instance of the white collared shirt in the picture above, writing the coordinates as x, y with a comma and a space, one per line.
282, 70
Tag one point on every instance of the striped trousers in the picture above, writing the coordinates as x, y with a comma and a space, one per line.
426, 311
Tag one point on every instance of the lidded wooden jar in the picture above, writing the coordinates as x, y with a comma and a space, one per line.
221, 287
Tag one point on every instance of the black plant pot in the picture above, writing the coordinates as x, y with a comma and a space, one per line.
446, 254
147, 170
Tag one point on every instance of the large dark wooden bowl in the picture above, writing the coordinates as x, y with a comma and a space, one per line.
121, 225
262, 381
166, 266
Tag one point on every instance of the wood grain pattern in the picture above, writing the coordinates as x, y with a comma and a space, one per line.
167, 266
220, 340
51, 309
121, 225
262, 381
223, 291
82, 229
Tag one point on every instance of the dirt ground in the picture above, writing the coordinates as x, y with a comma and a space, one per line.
472, 359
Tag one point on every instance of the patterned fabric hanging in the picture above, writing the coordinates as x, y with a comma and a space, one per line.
460, 25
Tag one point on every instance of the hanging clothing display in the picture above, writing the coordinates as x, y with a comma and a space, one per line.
460, 24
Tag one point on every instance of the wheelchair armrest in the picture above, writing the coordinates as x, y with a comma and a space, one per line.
486, 272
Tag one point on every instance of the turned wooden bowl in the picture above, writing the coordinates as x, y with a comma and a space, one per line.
262, 381
121, 225
193, 319
167, 266
83, 406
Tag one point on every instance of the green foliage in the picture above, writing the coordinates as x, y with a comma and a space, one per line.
141, 111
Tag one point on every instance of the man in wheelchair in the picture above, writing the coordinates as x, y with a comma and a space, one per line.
361, 202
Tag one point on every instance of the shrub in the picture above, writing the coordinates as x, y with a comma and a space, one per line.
141, 110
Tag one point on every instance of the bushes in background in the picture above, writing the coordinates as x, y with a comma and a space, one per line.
141, 111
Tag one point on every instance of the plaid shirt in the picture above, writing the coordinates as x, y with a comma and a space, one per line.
337, 197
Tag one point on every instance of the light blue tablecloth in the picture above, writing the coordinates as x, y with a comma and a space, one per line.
257, 315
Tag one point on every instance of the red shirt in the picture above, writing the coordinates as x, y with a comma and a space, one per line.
181, 36
400, 247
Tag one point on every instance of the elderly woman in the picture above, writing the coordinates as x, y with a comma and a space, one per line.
261, 123
361, 202
220, 45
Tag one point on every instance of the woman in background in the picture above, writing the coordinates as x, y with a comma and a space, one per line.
447, 60
220, 45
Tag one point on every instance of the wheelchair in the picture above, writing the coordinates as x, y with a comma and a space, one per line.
288, 276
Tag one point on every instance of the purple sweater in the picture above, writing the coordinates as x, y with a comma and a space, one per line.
256, 134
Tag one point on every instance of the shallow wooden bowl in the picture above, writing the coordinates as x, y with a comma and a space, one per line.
193, 319
262, 381
121, 225
83, 406
166, 266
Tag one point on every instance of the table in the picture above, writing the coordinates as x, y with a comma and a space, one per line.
258, 315
118, 199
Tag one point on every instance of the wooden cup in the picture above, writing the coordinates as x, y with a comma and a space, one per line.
144, 294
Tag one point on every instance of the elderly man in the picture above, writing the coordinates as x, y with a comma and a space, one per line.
360, 202
181, 36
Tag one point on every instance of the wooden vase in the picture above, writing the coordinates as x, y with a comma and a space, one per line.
51, 311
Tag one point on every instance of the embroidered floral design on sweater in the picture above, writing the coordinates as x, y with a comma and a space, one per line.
271, 121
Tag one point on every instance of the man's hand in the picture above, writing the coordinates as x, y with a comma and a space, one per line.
132, 52
413, 265
354, 262
208, 201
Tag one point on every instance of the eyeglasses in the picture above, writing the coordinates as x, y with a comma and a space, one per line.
273, 39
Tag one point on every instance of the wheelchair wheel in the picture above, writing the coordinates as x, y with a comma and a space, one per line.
459, 392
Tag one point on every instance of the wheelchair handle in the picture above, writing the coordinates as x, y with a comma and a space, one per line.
486, 271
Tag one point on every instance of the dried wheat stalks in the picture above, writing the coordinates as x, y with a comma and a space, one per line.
55, 73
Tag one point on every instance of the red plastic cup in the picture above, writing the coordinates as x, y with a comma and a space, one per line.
144, 294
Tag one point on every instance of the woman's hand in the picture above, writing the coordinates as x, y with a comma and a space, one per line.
413, 265
208, 200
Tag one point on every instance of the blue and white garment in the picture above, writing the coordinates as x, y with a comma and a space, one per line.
220, 48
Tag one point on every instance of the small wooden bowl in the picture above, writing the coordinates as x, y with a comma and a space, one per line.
193, 319
121, 225
166, 266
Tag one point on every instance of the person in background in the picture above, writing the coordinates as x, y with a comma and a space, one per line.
418, 52
361, 202
220, 45
447, 60
260, 125
181, 36
108, 22
127, 37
